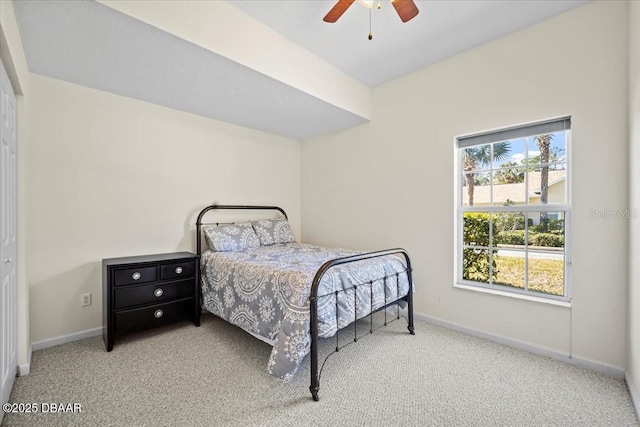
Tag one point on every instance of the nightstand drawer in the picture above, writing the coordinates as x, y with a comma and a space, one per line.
136, 275
154, 315
156, 292
177, 270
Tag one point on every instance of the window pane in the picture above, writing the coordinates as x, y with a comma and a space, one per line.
464, 192
508, 236
476, 262
500, 153
476, 189
510, 267
476, 228
546, 272
508, 229
513, 157
555, 175
547, 148
545, 237
476, 158
546, 231
509, 174
509, 187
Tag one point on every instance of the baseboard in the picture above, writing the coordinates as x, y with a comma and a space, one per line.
63, 339
25, 368
635, 396
553, 354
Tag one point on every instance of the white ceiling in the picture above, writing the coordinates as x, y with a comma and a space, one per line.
91, 44
442, 28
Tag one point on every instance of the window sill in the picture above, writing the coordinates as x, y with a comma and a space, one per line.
566, 304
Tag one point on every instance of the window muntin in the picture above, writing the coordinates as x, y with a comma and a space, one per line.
511, 226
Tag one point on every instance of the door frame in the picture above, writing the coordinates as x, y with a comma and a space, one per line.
9, 261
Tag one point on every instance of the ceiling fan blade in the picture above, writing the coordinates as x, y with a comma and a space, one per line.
406, 9
337, 10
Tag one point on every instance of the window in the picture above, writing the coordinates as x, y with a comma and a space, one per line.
513, 209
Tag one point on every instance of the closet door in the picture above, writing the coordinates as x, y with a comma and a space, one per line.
8, 238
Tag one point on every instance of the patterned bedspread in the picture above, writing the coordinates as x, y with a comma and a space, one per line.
266, 291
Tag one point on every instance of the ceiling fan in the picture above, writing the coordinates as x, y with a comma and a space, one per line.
406, 9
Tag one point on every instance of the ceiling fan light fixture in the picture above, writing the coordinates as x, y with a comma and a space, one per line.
406, 9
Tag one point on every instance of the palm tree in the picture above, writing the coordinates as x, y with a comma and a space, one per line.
544, 144
479, 156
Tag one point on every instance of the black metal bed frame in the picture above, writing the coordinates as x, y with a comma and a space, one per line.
314, 297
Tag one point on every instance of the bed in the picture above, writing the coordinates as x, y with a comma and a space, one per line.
289, 294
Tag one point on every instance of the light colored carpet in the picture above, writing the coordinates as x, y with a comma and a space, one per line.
215, 375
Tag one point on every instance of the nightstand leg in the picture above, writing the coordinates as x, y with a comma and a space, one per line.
108, 343
196, 315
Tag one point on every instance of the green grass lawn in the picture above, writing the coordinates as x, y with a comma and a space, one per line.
545, 275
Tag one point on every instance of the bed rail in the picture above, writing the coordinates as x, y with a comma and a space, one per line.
313, 305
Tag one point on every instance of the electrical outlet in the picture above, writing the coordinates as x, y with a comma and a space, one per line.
85, 300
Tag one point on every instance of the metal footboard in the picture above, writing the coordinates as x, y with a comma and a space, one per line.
314, 297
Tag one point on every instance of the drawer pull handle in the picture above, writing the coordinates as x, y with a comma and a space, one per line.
158, 314
178, 270
158, 292
136, 276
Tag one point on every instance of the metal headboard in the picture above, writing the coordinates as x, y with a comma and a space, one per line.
234, 207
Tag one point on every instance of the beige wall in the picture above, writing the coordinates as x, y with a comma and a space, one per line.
633, 367
391, 182
15, 62
111, 176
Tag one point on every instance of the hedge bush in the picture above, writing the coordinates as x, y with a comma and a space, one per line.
510, 237
547, 239
476, 229
555, 226
475, 262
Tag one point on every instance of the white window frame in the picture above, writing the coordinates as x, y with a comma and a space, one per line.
460, 210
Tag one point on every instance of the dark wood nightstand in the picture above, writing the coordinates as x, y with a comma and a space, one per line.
142, 292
